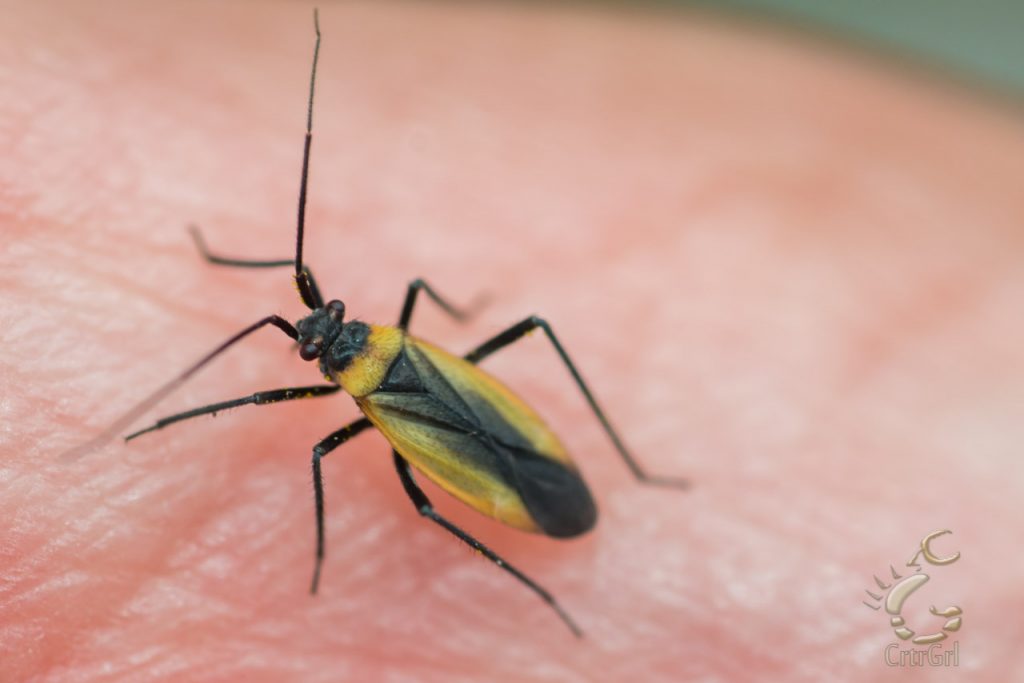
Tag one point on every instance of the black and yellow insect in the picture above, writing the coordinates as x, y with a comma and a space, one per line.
442, 414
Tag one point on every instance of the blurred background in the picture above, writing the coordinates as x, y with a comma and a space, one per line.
979, 40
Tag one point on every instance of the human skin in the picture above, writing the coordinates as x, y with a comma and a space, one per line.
791, 274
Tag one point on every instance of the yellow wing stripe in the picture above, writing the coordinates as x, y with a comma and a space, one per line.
463, 375
419, 444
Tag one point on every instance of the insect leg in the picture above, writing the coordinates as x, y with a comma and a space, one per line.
426, 509
315, 300
319, 451
523, 328
460, 314
136, 411
260, 398
216, 260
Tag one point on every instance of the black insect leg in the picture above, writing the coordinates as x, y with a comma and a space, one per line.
319, 451
460, 314
314, 298
523, 328
139, 409
216, 260
426, 509
260, 398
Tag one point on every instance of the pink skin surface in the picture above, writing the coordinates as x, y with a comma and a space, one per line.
791, 274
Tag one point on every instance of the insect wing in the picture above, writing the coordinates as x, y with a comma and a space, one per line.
477, 440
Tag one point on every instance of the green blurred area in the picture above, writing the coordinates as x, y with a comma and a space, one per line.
980, 39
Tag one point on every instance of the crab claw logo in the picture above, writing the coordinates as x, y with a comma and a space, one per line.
896, 594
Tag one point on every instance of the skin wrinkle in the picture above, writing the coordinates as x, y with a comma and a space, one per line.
788, 274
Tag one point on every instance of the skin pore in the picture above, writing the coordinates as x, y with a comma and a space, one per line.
790, 274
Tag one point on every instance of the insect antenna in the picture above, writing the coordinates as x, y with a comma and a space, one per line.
302, 279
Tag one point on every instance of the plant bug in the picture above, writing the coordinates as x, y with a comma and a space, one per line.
443, 415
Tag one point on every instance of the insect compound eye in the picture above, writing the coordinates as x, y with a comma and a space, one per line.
311, 350
336, 310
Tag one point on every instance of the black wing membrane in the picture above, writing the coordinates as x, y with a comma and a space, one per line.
439, 397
